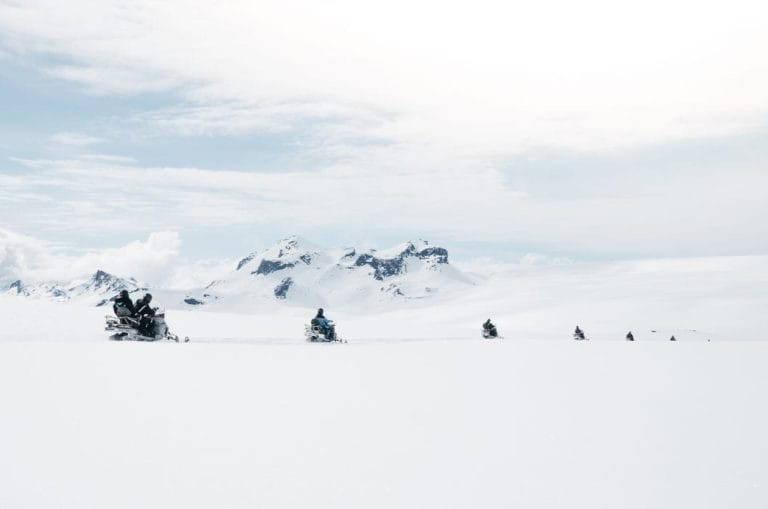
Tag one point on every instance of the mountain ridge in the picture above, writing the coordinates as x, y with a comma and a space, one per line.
293, 271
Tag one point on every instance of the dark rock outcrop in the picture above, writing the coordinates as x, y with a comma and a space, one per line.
281, 290
245, 260
58, 292
393, 289
387, 267
438, 254
381, 268
270, 266
18, 286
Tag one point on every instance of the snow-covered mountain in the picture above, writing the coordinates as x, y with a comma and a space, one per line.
98, 287
300, 272
294, 271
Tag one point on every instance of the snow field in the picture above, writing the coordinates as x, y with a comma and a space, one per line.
395, 424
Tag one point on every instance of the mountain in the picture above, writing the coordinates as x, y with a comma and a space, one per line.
98, 287
299, 272
295, 272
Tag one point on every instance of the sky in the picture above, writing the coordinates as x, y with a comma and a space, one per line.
590, 130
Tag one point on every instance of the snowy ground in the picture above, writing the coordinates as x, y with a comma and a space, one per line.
420, 424
416, 411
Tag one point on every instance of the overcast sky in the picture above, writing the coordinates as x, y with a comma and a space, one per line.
591, 129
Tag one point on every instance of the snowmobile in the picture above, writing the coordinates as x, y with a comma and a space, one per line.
578, 335
490, 333
126, 328
315, 334
489, 330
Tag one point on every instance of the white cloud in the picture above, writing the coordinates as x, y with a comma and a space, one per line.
681, 211
20, 255
539, 259
151, 260
107, 80
154, 261
417, 106
480, 77
74, 139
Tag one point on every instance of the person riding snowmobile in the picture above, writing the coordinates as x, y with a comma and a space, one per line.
490, 329
630, 336
322, 324
123, 305
145, 314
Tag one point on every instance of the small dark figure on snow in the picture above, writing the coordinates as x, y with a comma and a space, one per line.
123, 305
673, 338
630, 337
322, 324
319, 316
578, 334
145, 314
489, 330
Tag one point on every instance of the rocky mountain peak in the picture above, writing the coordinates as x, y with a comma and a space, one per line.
393, 262
17, 286
104, 282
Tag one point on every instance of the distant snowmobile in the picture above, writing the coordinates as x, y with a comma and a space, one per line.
578, 335
489, 330
127, 329
316, 334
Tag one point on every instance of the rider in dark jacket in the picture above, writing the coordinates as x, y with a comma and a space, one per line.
322, 323
123, 306
318, 317
145, 313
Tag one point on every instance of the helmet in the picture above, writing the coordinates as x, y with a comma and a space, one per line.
124, 294
320, 312
147, 297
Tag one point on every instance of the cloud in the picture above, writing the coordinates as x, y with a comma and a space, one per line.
409, 119
683, 207
151, 260
154, 261
74, 139
107, 80
20, 255
490, 77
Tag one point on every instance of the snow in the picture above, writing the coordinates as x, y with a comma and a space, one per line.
315, 276
416, 410
391, 424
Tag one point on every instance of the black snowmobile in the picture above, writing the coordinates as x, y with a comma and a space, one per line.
129, 328
489, 330
578, 335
